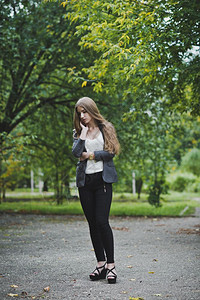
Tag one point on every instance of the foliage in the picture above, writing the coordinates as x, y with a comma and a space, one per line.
50, 147
155, 190
195, 186
37, 51
181, 183
143, 53
141, 60
191, 161
187, 135
149, 138
150, 46
11, 170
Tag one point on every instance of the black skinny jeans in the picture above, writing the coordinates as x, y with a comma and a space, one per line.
96, 197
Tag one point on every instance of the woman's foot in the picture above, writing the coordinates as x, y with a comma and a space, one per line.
111, 273
99, 272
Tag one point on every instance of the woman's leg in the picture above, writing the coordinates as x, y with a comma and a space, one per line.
103, 199
103, 203
87, 199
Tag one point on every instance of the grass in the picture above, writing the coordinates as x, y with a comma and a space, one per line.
145, 209
124, 204
180, 196
125, 208
172, 196
27, 194
43, 207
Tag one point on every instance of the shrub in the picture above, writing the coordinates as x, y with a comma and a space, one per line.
191, 161
194, 187
180, 184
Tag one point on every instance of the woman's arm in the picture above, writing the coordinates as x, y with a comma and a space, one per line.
79, 143
78, 147
103, 155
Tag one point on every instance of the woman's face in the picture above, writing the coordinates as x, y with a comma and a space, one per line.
84, 116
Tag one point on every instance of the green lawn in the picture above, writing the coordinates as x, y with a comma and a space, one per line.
119, 208
172, 196
145, 209
27, 194
124, 204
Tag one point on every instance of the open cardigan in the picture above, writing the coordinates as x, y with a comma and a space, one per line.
109, 172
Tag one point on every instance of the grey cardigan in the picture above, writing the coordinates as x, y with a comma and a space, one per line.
109, 172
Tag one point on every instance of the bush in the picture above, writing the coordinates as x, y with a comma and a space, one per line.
155, 190
194, 187
191, 161
123, 186
181, 183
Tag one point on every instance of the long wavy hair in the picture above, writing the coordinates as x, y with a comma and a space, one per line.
111, 143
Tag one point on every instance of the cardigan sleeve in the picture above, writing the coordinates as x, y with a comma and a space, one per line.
78, 147
103, 155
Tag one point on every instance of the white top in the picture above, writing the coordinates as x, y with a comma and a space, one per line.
96, 144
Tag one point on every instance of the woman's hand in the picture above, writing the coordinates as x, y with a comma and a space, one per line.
84, 156
83, 131
87, 155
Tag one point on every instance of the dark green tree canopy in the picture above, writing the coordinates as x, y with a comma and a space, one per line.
151, 46
37, 46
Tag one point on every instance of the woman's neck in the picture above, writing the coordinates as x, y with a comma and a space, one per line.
92, 125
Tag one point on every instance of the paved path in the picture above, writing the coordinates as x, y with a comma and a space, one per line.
156, 258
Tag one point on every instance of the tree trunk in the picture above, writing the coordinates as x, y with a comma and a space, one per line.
4, 194
61, 193
139, 183
67, 189
57, 187
1, 145
45, 187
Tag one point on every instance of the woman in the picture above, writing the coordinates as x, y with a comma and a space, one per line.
95, 144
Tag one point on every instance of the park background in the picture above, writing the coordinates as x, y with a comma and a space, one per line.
139, 60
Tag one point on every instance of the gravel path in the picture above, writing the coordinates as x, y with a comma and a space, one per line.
156, 258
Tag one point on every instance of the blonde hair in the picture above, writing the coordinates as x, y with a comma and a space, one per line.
111, 143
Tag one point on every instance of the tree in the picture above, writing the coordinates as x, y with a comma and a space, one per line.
149, 138
36, 51
49, 148
147, 46
187, 135
136, 55
12, 170
146, 50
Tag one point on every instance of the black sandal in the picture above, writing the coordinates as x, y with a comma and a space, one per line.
99, 275
111, 278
